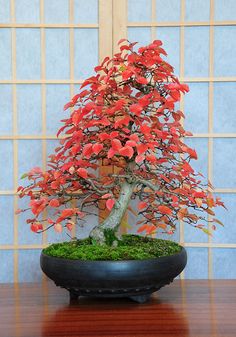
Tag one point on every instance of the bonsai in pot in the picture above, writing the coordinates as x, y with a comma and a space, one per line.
123, 119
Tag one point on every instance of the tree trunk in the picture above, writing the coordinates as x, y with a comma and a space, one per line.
114, 219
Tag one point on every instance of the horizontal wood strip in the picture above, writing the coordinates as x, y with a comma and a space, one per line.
49, 25
79, 81
181, 24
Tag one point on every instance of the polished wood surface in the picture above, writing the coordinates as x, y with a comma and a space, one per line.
184, 308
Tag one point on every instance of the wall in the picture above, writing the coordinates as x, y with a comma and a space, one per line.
48, 47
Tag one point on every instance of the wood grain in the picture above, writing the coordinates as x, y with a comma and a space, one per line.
185, 308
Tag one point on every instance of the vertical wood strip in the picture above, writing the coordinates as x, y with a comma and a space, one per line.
15, 142
210, 121
105, 49
43, 100
153, 18
181, 58
105, 28
72, 86
119, 22
43, 111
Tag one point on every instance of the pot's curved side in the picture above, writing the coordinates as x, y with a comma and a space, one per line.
113, 278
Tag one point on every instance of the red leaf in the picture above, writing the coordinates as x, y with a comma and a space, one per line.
141, 148
66, 213
35, 227
110, 203
164, 210
136, 109
88, 150
104, 136
130, 143
151, 158
97, 148
126, 74
110, 153
37, 206
141, 80
192, 153
175, 94
126, 151
116, 144
134, 137
68, 105
145, 129
139, 158
75, 98
142, 205
82, 173
69, 226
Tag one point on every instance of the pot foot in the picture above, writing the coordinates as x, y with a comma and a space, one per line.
140, 298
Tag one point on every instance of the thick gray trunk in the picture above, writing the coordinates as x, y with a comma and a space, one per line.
114, 219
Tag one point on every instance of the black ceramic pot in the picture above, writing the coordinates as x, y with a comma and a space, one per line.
136, 279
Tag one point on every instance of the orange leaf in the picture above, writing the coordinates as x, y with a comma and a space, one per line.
162, 225
209, 211
164, 210
142, 205
182, 213
151, 229
218, 221
142, 228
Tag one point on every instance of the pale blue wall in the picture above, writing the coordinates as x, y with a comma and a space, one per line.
57, 58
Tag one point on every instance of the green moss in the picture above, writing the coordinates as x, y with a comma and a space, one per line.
130, 247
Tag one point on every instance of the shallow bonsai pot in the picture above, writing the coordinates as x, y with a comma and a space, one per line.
136, 279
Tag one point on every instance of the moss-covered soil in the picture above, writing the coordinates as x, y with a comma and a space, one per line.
130, 247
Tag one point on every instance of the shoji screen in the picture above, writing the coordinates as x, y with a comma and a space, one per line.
47, 48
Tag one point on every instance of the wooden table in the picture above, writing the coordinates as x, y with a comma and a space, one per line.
184, 308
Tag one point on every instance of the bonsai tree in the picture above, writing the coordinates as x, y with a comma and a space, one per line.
125, 119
